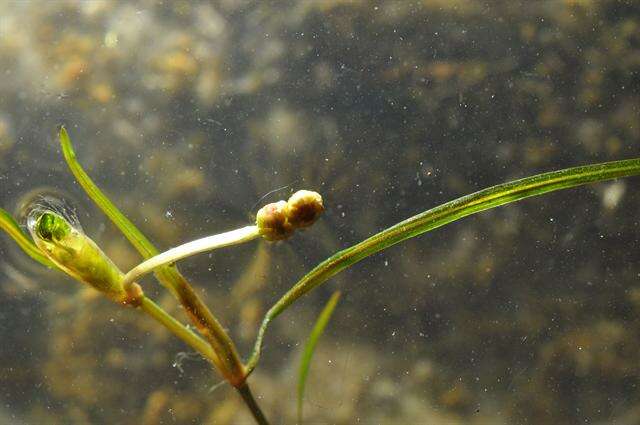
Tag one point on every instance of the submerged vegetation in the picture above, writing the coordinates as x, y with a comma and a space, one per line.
186, 113
59, 242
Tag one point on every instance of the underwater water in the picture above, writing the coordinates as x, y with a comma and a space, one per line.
187, 113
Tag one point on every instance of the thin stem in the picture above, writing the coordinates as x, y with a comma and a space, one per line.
179, 330
245, 392
209, 327
202, 347
207, 324
188, 249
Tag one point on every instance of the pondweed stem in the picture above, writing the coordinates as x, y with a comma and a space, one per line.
275, 221
247, 396
179, 330
207, 324
188, 249
58, 235
439, 216
209, 327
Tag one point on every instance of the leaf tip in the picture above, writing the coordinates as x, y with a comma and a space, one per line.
64, 136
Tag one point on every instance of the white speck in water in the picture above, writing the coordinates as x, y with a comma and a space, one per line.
168, 215
613, 194
111, 39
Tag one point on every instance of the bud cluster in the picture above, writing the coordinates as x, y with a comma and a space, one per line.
278, 220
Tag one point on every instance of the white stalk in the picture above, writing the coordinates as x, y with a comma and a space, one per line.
188, 249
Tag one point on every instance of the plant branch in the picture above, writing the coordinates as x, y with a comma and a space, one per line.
230, 365
188, 249
179, 330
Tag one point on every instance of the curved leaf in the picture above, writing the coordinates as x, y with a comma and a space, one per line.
130, 231
206, 323
9, 225
310, 346
439, 216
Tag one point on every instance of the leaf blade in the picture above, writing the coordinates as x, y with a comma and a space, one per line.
309, 348
10, 225
204, 320
130, 231
433, 218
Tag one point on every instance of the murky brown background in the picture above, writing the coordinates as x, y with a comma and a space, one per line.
186, 113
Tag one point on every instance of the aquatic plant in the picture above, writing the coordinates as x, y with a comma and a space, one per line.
58, 241
310, 346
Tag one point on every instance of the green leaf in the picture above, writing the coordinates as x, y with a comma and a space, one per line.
207, 324
130, 231
310, 346
168, 276
439, 216
9, 225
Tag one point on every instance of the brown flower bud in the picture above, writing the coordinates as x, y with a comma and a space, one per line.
303, 208
272, 221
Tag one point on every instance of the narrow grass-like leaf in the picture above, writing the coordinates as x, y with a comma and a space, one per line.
310, 346
9, 225
130, 231
439, 216
207, 324
168, 276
